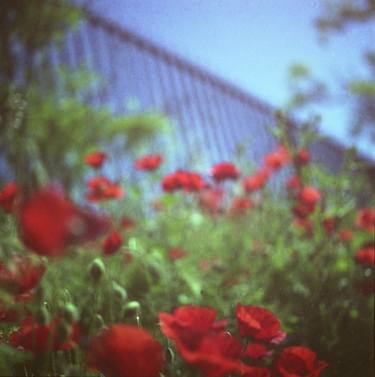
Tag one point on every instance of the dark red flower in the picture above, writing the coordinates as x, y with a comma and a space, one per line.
239, 205
149, 162
302, 157
189, 324
294, 183
48, 222
366, 219
112, 243
95, 159
127, 223
211, 198
304, 224
21, 275
299, 361
277, 159
257, 351
256, 181
8, 196
218, 355
102, 188
302, 210
224, 170
366, 255
309, 196
329, 224
176, 253
257, 322
125, 351
346, 235
37, 338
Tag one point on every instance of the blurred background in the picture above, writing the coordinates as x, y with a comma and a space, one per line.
218, 71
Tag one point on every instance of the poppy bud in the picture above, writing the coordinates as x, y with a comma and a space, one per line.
99, 321
131, 309
70, 313
64, 330
42, 316
97, 269
119, 292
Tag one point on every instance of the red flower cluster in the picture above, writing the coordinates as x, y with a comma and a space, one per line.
102, 188
366, 219
95, 159
329, 224
346, 235
8, 196
224, 171
307, 198
39, 338
112, 243
149, 162
202, 342
277, 159
125, 351
48, 222
183, 180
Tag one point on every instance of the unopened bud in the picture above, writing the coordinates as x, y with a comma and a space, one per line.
70, 313
97, 269
64, 330
119, 292
42, 316
132, 309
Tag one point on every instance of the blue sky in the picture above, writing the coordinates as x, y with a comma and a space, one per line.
252, 43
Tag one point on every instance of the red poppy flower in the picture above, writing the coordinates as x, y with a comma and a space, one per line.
255, 182
302, 210
8, 196
257, 351
125, 351
366, 219
346, 235
37, 338
95, 159
239, 206
21, 275
48, 222
127, 223
277, 159
189, 324
299, 362
224, 170
112, 243
257, 322
309, 196
218, 355
102, 188
176, 253
366, 255
149, 162
329, 224
302, 157
211, 198
294, 183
